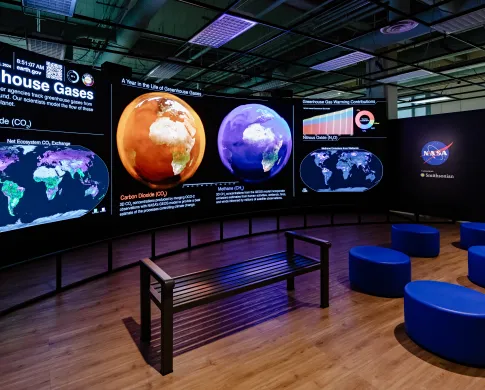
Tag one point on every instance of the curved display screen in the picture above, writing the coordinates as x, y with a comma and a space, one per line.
83, 160
183, 155
47, 184
342, 152
341, 170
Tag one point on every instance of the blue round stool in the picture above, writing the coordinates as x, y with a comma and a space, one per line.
472, 234
476, 265
416, 240
446, 319
379, 271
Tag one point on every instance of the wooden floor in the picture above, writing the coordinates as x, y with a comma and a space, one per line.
87, 338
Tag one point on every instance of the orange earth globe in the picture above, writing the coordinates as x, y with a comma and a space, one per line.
161, 140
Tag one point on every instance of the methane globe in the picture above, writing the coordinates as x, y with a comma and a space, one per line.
254, 143
161, 140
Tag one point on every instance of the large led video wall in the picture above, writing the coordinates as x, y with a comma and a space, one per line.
83, 160
54, 154
341, 151
438, 165
181, 155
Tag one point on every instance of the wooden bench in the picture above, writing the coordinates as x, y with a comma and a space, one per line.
172, 295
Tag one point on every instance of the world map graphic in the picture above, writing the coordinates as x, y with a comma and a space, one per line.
337, 170
45, 184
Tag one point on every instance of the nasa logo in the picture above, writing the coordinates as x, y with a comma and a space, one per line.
435, 153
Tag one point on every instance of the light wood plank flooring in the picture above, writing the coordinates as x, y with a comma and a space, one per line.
87, 338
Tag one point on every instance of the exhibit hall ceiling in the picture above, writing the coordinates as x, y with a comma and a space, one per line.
430, 50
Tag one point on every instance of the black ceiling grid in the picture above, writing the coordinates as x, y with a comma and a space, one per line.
288, 38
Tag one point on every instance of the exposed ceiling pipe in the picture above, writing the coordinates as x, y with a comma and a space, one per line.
262, 13
449, 8
138, 16
376, 40
352, 8
402, 5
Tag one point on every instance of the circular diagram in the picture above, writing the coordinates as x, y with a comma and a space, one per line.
73, 76
365, 120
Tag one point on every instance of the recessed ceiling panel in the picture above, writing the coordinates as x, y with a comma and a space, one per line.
60, 7
342, 62
221, 31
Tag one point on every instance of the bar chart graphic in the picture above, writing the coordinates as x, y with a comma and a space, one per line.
333, 123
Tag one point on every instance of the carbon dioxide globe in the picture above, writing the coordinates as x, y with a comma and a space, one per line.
161, 140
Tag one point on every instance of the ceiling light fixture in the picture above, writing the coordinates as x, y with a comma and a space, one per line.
462, 23
273, 84
399, 27
403, 77
49, 49
222, 30
342, 62
325, 95
60, 7
431, 100
164, 70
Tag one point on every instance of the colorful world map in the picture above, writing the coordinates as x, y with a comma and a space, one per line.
45, 184
341, 170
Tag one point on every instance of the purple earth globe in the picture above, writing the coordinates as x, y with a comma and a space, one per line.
254, 142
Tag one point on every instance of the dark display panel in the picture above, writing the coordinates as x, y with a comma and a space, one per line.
82, 160
438, 165
341, 152
179, 155
54, 152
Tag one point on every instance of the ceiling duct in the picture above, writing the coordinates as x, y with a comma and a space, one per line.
139, 16
376, 40
451, 7
401, 5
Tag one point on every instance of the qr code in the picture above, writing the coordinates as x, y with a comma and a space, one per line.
54, 71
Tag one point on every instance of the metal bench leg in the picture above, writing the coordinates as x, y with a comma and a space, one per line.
290, 284
290, 252
167, 333
145, 305
324, 278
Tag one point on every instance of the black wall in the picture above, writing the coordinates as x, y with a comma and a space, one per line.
455, 188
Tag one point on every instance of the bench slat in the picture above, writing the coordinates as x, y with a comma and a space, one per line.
214, 296
205, 276
226, 280
207, 286
189, 278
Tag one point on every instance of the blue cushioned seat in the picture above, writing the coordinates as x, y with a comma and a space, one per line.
446, 319
416, 240
476, 265
472, 234
379, 271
